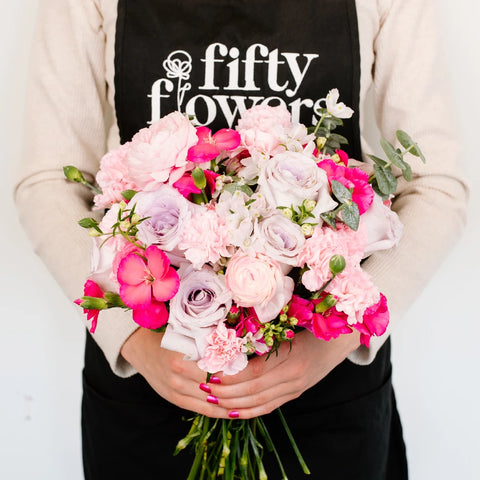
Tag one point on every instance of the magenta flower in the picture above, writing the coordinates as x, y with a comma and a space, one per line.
375, 321
154, 316
330, 324
209, 146
91, 289
186, 186
350, 178
301, 309
142, 277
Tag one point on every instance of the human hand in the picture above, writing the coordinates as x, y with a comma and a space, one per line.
173, 378
265, 385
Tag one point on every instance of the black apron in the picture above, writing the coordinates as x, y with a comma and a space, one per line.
213, 59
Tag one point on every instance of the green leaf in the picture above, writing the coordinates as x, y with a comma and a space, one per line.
351, 215
89, 223
128, 194
338, 138
332, 144
392, 154
377, 190
329, 219
387, 183
404, 139
407, 173
380, 162
341, 192
199, 178
93, 303
233, 187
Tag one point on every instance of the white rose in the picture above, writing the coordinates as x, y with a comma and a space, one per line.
289, 178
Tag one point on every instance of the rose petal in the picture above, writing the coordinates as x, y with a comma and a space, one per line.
227, 139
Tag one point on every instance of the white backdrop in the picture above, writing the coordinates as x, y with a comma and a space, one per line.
41, 344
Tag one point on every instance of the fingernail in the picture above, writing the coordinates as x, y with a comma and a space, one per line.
233, 414
205, 388
214, 379
212, 399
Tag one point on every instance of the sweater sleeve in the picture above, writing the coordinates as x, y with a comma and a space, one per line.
65, 125
411, 93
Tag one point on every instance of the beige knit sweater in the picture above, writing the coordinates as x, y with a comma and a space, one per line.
70, 120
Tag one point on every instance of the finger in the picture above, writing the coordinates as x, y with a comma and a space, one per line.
246, 413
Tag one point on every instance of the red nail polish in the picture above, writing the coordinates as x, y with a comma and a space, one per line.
214, 379
205, 388
212, 399
233, 414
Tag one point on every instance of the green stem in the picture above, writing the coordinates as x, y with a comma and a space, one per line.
294, 445
317, 126
269, 440
317, 294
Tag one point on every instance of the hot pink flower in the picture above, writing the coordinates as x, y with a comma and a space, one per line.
141, 277
330, 324
248, 323
223, 352
343, 156
186, 186
351, 178
375, 321
209, 146
91, 289
301, 309
154, 316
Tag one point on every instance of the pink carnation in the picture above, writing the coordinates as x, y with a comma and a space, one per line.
223, 352
91, 289
205, 238
113, 178
355, 292
322, 245
159, 153
262, 126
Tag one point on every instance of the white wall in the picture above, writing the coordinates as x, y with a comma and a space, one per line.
41, 343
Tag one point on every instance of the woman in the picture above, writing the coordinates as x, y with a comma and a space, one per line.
103, 70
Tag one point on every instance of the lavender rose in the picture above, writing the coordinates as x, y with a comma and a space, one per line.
201, 302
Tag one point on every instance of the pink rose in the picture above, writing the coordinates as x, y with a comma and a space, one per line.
257, 281
157, 152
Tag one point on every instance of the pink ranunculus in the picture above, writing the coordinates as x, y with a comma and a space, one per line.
91, 289
375, 321
160, 150
223, 352
205, 239
142, 277
355, 292
113, 178
383, 226
152, 317
322, 245
257, 281
351, 178
210, 146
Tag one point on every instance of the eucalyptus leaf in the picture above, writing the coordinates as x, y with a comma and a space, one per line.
387, 183
233, 187
380, 162
341, 192
338, 138
404, 139
392, 154
407, 173
333, 144
351, 215
329, 219
382, 195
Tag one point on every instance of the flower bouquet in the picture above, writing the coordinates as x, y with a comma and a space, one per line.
232, 242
